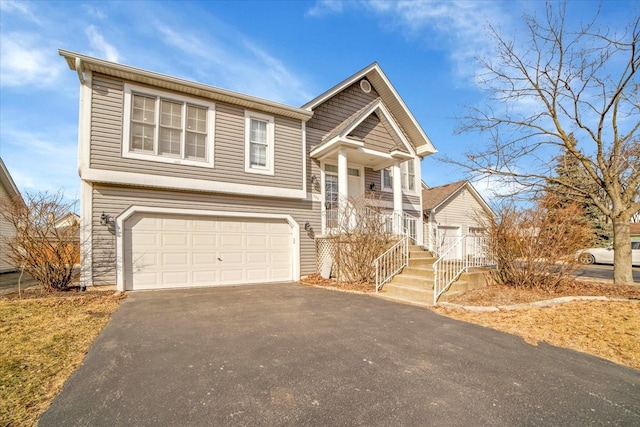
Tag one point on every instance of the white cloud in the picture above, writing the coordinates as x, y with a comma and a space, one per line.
10, 6
93, 11
233, 62
25, 61
105, 49
325, 7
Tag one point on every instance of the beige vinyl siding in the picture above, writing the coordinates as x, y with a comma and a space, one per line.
6, 232
229, 137
376, 136
337, 109
115, 199
387, 196
461, 210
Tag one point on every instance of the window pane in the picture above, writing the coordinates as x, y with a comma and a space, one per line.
258, 131
331, 168
353, 171
169, 142
143, 109
411, 176
258, 155
196, 119
171, 114
142, 137
386, 178
196, 146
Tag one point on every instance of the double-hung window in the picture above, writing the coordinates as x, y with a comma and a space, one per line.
259, 141
167, 127
407, 178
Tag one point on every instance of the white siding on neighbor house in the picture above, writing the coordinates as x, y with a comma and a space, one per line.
107, 118
462, 210
6, 232
115, 199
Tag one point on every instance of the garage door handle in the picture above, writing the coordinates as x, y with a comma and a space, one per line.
220, 259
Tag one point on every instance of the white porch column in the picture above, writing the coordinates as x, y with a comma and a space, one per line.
343, 182
397, 198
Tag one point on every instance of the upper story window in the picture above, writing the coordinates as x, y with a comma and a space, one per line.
259, 143
167, 128
408, 177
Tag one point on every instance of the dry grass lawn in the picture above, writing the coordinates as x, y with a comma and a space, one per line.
43, 339
607, 329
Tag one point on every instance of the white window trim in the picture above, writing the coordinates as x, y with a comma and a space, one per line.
126, 131
404, 176
269, 169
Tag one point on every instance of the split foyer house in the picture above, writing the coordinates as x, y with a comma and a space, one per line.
185, 184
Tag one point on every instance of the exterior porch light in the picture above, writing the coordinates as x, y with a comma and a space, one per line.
307, 226
372, 186
106, 219
314, 179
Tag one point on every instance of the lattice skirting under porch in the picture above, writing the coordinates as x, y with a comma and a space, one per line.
325, 251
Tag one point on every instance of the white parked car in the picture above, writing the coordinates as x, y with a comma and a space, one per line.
605, 255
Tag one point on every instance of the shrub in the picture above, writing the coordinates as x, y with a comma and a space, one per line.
536, 247
45, 252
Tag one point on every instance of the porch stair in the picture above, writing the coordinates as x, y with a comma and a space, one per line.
414, 285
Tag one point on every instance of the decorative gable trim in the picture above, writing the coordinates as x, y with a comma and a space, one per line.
374, 74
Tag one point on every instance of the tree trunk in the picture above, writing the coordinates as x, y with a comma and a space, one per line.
622, 272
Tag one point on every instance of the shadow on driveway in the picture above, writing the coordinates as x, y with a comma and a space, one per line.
286, 354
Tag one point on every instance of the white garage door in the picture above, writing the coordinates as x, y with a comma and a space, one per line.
165, 251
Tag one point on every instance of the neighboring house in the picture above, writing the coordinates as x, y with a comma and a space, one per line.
8, 193
451, 211
184, 184
634, 230
66, 220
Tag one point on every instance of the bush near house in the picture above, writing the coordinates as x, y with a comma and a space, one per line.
534, 248
45, 252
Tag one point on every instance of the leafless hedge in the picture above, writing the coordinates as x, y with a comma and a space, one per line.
45, 252
535, 248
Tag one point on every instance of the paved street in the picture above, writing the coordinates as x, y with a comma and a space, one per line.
286, 354
603, 271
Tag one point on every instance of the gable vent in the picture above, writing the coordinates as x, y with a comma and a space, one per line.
365, 86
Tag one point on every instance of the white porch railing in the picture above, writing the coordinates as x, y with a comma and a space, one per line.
466, 252
392, 262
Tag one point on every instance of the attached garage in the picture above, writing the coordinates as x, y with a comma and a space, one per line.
173, 250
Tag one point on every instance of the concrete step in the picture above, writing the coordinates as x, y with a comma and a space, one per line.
411, 279
416, 293
421, 262
421, 271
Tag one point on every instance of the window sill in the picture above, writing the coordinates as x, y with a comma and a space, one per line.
260, 171
172, 160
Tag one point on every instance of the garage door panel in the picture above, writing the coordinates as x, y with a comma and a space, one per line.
175, 239
203, 258
231, 241
177, 259
169, 251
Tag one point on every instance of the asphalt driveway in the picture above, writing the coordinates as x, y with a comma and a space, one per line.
286, 354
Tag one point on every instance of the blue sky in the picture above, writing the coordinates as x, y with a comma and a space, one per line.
286, 51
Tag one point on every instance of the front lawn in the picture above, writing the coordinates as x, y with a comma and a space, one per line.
43, 339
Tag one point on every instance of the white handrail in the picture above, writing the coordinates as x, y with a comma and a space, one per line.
391, 262
446, 271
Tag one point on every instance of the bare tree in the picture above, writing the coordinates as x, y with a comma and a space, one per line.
43, 248
362, 232
572, 90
